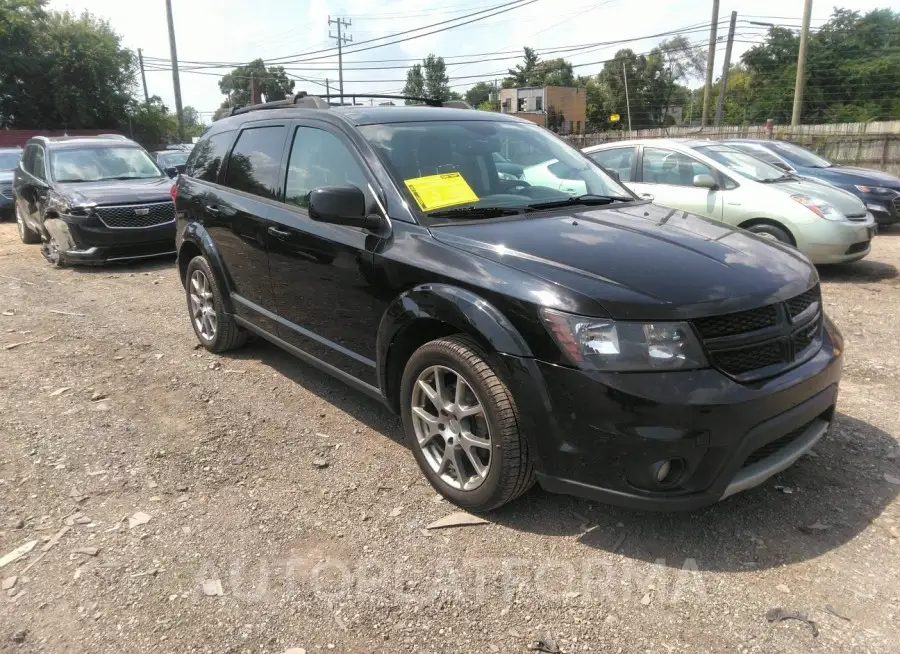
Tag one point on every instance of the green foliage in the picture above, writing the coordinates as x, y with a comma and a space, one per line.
152, 123
59, 70
193, 124
274, 84
429, 80
479, 94
534, 72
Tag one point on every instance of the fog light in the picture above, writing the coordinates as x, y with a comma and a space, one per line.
667, 472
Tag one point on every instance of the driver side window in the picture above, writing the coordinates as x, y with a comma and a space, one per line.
672, 168
319, 158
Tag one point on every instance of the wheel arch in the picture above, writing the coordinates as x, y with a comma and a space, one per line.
196, 241
432, 311
747, 224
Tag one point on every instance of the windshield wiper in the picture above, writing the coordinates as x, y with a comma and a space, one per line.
586, 199
476, 212
782, 178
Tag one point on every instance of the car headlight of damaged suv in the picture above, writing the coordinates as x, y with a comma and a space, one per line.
614, 346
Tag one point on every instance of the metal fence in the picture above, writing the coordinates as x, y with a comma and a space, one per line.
871, 145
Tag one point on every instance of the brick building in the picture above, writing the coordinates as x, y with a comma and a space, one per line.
560, 108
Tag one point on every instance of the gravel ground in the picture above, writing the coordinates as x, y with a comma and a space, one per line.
109, 410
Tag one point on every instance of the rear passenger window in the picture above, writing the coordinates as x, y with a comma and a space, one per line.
617, 159
255, 161
206, 157
319, 158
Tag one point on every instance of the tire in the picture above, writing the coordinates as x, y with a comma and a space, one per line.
771, 231
509, 468
225, 334
26, 234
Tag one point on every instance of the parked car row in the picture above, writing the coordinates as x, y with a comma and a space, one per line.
530, 317
719, 181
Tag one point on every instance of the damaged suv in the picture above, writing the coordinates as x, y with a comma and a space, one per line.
93, 200
571, 334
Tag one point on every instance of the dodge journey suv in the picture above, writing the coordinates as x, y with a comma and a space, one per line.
576, 336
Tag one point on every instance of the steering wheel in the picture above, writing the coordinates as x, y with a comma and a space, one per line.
513, 184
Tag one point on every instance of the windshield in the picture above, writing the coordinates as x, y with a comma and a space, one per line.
800, 156
96, 164
743, 164
9, 160
167, 159
443, 165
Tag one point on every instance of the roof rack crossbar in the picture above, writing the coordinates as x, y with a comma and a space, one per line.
431, 102
302, 99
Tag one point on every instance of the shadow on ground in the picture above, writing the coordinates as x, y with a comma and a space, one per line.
858, 272
841, 488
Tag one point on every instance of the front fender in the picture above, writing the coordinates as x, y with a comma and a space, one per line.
462, 309
194, 236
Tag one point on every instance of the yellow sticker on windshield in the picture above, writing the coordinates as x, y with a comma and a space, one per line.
438, 191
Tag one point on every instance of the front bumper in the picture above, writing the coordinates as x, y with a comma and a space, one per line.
885, 209
90, 241
827, 241
599, 435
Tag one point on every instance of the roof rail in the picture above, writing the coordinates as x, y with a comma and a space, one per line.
303, 100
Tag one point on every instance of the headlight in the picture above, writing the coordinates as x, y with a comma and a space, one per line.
820, 208
875, 190
598, 344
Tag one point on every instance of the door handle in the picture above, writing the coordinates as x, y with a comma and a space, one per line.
647, 196
279, 233
213, 210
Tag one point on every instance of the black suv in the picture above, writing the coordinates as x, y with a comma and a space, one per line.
93, 200
583, 337
9, 159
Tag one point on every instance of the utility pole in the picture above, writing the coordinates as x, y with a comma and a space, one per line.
710, 63
341, 40
143, 76
627, 101
724, 81
801, 65
175, 81
327, 91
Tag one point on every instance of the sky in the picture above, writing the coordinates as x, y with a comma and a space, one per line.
237, 31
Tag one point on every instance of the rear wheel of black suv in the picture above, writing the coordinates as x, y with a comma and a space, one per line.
216, 330
463, 427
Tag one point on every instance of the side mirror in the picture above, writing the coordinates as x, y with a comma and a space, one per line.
705, 181
171, 171
341, 205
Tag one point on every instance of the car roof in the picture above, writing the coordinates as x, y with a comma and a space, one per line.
358, 116
71, 142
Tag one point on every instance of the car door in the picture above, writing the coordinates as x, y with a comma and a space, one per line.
666, 176
321, 272
617, 160
237, 215
31, 184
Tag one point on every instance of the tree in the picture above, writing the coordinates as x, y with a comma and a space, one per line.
151, 122
553, 72
273, 82
74, 73
415, 82
193, 124
479, 94
523, 74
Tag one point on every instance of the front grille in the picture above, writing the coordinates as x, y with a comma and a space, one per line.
6, 190
136, 216
737, 323
769, 449
896, 204
862, 246
744, 360
799, 304
858, 217
764, 342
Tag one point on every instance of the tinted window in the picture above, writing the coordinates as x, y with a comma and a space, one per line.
761, 153
743, 163
319, 158
673, 168
38, 168
255, 161
618, 159
800, 156
28, 159
206, 157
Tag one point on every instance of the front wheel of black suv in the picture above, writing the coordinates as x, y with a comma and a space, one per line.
463, 427
216, 330
27, 235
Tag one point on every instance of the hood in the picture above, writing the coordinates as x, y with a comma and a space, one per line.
119, 191
844, 201
848, 175
643, 261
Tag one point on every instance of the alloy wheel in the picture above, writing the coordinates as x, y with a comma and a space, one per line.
203, 311
451, 428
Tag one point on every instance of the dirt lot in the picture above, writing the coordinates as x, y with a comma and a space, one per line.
219, 451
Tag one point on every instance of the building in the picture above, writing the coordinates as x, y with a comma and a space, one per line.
560, 108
